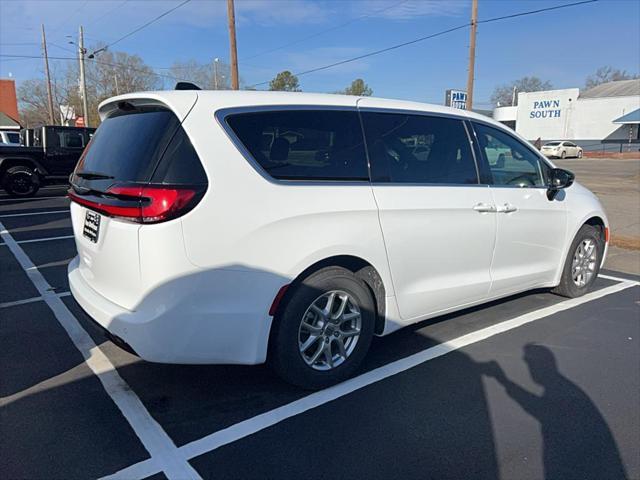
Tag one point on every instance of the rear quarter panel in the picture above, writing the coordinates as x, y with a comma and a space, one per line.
248, 222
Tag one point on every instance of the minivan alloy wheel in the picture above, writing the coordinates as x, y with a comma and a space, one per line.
583, 266
329, 330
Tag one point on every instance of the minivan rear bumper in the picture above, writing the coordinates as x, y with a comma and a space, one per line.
230, 325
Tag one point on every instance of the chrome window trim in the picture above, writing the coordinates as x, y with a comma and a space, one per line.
221, 115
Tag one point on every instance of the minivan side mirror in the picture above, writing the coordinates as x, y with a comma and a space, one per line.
559, 178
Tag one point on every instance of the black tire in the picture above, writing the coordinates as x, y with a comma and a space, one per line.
579, 153
20, 181
567, 287
284, 353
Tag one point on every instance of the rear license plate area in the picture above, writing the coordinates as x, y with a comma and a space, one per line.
91, 228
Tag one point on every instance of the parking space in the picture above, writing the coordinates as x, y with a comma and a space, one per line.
532, 386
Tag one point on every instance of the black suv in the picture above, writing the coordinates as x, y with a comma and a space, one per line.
49, 155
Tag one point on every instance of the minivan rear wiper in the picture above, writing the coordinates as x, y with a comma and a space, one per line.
94, 175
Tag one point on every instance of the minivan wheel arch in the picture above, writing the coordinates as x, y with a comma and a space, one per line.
358, 266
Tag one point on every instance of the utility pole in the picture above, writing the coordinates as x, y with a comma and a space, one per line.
235, 84
83, 85
46, 69
472, 53
513, 96
215, 73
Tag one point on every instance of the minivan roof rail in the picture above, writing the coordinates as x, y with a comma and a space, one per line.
186, 86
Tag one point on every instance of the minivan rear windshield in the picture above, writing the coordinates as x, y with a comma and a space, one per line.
127, 147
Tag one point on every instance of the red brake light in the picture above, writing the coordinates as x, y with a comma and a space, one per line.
141, 204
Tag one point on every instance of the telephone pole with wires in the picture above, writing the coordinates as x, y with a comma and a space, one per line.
46, 69
83, 84
472, 53
235, 84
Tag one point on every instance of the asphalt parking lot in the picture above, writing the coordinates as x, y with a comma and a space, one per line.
533, 386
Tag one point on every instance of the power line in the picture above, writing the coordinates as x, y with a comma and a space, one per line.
99, 62
427, 37
321, 32
107, 13
140, 28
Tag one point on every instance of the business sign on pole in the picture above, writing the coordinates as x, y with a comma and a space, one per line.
456, 99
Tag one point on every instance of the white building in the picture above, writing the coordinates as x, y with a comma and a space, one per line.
605, 117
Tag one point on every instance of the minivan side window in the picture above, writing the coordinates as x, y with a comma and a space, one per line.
408, 148
304, 144
510, 161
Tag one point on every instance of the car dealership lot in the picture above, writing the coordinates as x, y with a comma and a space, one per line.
530, 386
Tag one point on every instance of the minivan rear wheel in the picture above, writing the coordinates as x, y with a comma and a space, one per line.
582, 265
324, 330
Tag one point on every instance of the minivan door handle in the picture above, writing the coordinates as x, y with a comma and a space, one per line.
484, 207
507, 208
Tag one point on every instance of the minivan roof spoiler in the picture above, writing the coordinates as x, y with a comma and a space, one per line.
186, 86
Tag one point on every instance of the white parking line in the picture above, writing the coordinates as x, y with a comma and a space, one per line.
33, 213
164, 453
30, 300
46, 239
260, 422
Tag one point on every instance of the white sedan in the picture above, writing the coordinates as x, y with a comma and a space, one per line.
561, 150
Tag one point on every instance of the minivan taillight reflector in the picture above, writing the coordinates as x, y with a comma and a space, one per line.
140, 204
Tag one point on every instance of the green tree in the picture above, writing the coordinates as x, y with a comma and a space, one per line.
285, 82
607, 74
359, 88
503, 94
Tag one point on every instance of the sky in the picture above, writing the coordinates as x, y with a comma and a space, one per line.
563, 46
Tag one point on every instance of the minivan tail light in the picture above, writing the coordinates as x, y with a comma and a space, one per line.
140, 204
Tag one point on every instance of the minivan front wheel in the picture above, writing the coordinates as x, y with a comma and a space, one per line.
324, 331
582, 264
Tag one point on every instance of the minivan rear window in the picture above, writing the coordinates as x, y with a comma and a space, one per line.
304, 144
140, 146
127, 147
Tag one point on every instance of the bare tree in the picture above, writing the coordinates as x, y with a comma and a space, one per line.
503, 94
210, 76
109, 74
607, 74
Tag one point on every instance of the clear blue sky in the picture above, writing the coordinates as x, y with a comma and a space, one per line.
562, 46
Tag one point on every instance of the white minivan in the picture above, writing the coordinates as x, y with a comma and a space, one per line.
242, 227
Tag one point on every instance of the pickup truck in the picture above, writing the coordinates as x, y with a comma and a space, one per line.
49, 157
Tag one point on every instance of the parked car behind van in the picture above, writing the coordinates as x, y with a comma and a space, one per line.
244, 227
562, 150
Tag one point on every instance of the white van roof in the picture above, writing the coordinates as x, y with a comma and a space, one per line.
219, 99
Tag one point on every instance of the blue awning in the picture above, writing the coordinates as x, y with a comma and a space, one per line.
629, 118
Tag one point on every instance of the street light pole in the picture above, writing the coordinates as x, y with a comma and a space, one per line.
215, 73
83, 85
